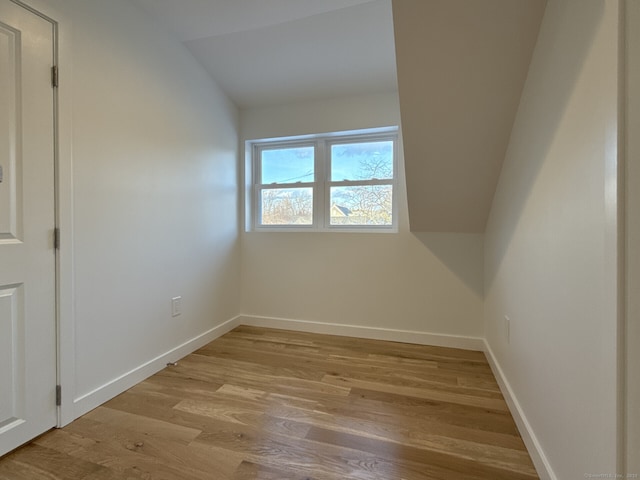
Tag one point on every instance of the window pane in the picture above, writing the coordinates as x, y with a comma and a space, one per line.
287, 165
287, 206
362, 161
362, 205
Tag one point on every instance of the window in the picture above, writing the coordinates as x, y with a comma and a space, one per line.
324, 183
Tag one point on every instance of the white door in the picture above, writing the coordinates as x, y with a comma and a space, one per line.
27, 221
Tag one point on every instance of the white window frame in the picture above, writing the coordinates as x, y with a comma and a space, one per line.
322, 182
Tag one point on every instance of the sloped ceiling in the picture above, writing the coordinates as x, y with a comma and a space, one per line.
194, 19
461, 67
271, 52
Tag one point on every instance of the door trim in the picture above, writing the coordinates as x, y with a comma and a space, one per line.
65, 318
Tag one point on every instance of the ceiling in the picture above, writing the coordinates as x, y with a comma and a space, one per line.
270, 52
462, 66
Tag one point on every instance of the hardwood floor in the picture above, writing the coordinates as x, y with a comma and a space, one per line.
274, 405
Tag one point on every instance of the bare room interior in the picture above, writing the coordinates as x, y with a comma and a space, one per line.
163, 317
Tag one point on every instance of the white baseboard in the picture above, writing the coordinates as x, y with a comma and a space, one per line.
87, 402
374, 333
545, 472
106, 392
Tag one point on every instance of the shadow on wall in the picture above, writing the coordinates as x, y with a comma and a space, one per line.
566, 60
461, 253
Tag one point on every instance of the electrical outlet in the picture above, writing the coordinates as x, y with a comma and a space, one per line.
507, 328
176, 306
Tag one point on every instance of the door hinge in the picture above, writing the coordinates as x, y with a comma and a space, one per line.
56, 238
54, 76
58, 395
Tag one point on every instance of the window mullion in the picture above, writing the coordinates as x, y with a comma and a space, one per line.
319, 193
327, 184
257, 178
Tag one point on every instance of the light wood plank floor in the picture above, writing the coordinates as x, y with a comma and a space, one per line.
273, 404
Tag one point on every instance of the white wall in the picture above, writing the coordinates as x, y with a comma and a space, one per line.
550, 245
155, 208
633, 234
425, 282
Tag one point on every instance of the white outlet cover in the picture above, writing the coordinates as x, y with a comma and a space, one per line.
176, 306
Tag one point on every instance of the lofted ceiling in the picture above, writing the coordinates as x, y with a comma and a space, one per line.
270, 52
194, 19
462, 65
459, 66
